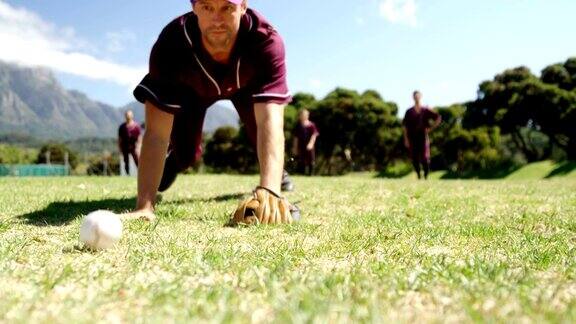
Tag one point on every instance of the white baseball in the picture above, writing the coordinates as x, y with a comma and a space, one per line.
101, 230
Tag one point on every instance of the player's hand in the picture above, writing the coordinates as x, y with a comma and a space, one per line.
265, 206
146, 215
309, 147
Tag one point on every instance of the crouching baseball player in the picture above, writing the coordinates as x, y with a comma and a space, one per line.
220, 50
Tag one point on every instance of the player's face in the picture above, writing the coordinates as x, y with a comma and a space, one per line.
304, 116
219, 21
129, 115
417, 97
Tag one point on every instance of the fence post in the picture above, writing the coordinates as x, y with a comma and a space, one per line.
105, 164
67, 163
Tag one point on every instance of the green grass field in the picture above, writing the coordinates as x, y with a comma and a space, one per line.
368, 250
532, 171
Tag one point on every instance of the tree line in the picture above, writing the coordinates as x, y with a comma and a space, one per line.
517, 118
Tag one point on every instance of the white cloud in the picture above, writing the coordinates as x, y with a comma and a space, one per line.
29, 40
399, 11
117, 41
315, 84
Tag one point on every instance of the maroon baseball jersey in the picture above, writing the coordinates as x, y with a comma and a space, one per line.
417, 122
129, 134
183, 76
304, 134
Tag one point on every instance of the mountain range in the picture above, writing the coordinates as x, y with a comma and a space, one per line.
34, 103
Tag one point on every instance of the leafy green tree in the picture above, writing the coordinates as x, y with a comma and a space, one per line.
364, 124
490, 109
570, 66
229, 150
221, 149
303, 100
10, 154
549, 109
557, 75
538, 113
496, 106
473, 150
467, 152
57, 155
380, 130
104, 165
451, 118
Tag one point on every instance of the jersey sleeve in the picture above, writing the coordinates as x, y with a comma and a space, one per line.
160, 86
315, 130
138, 130
432, 115
405, 119
272, 84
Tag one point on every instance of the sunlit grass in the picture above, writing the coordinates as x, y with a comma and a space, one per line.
367, 250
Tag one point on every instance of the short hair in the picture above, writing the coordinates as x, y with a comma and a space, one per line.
416, 92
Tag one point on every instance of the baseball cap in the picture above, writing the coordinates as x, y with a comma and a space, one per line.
236, 2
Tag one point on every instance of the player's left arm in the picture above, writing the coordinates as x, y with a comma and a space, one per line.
270, 96
139, 140
437, 120
270, 144
312, 142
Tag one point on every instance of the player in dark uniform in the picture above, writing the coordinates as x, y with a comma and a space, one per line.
129, 140
418, 122
305, 134
220, 50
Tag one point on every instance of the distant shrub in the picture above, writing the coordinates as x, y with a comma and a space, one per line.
107, 165
396, 169
229, 150
57, 155
16, 155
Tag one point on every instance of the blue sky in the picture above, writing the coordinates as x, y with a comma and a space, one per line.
445, 48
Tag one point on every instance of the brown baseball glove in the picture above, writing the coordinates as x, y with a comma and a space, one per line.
265, 207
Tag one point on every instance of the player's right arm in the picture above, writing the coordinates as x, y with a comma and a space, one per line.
405, 130
406, 139
161, 93
120, 139
295, 146
153, 155
152, 158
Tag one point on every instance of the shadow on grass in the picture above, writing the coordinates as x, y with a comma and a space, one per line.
392, 175
226, 197
221, 198
562, 169
498, 173
63, 212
